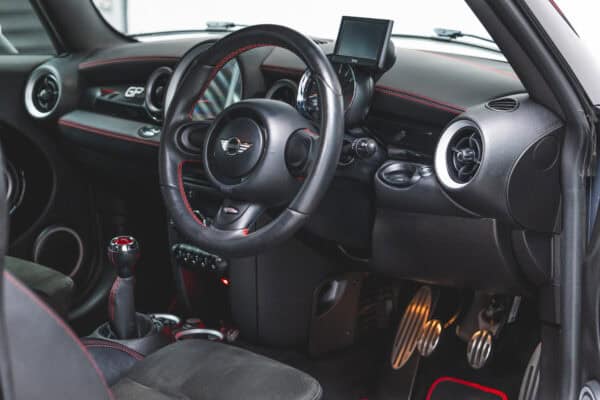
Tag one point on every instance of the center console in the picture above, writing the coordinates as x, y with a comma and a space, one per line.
134, 332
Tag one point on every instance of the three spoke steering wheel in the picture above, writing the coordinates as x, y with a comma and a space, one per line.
258, 153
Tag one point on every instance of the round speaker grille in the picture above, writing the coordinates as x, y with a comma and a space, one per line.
59, 248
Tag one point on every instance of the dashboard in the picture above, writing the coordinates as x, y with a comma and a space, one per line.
443, 158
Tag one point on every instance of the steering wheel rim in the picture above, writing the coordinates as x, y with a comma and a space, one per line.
278, 126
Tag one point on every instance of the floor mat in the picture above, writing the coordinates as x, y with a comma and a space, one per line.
447, 388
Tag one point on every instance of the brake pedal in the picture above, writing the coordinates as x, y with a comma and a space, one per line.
411, 327
479, 348
430, 337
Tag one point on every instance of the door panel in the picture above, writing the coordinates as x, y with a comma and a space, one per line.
51, 192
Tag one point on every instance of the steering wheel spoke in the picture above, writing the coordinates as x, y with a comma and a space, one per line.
301, 152
236, 215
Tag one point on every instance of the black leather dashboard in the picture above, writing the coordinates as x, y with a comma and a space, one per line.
411, 107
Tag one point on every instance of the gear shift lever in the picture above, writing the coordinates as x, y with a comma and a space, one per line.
123, 254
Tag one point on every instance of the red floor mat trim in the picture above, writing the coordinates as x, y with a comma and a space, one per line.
472, 385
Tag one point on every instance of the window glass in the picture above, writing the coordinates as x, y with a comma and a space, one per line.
22, 31
317, 18
224, 90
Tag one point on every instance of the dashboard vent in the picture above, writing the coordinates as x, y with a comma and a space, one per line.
464, 154
504, 104
283, 90
45, 93
156, 89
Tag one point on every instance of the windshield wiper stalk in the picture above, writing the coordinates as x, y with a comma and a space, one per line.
455, 34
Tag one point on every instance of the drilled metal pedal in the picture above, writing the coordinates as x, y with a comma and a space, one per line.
429, 338
479, 348
410, 328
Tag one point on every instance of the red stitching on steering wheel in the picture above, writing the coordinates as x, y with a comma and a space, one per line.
220, 65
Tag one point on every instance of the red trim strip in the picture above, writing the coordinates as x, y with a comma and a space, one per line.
110, 61
61, 324
106, 133
472, 385
419, 99
284, 70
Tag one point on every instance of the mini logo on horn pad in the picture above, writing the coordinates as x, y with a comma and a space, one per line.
234, 146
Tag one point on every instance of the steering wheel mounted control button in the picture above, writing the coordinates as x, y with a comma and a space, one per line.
193, 258
238, 148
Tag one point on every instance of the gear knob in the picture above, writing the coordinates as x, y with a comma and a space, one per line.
123, 254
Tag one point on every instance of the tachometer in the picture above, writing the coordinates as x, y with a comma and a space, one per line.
309, 101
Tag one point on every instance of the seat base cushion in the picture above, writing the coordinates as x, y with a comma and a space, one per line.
197, 369
51, 286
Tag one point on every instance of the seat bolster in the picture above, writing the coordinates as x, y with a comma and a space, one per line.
47, 359
52, 286
197, 369
114, 359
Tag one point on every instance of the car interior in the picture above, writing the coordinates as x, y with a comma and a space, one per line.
252, 213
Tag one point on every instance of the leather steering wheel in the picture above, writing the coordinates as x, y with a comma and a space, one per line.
260, 154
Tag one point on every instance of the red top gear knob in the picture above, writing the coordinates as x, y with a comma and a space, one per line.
123, 254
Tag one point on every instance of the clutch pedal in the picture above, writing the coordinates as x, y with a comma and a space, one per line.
411, 326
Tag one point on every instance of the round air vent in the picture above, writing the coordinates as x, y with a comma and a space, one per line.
504, 104
283, 90
42, 93
464, 155
156, 88
459, 154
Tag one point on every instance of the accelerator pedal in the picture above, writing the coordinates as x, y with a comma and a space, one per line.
411, 326
479, 348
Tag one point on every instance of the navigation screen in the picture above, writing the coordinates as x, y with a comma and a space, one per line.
362, 41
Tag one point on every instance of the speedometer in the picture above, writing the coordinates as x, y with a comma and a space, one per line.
309, 100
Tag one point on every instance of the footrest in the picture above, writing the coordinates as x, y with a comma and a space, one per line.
447, 388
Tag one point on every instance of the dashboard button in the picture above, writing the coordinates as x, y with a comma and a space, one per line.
148, 131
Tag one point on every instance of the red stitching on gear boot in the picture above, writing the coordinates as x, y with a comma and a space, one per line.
111, 298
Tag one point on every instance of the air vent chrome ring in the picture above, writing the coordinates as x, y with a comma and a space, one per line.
278, 91
442, 160
36, 95
156, 89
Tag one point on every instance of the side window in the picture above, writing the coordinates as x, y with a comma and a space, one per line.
21, 30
